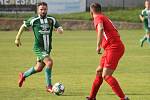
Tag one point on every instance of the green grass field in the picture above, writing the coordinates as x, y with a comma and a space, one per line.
75, 61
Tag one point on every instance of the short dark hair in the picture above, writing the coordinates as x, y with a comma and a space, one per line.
147, 0
41, 3
96, 7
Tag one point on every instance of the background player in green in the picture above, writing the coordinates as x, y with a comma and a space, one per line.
42, 26
145, 18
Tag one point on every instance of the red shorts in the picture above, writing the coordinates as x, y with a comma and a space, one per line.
112, 56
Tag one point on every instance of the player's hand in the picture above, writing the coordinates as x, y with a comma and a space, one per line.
17, 42
60, 30
98, 50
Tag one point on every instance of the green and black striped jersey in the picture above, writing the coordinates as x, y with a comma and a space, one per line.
42, 29
146, 14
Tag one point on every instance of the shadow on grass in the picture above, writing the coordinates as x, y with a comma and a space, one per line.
74, 94
129, 94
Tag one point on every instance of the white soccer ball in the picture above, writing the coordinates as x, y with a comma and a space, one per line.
58, 88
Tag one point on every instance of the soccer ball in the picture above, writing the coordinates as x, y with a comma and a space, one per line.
58, 88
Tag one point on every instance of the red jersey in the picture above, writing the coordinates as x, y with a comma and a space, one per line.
110, 32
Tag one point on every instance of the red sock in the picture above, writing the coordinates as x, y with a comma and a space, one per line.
95, 87
115, 86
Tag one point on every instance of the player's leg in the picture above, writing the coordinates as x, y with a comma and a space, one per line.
48, 72
148, 37
143, 40
38, 68
96, 84
112, 58
98, 80
112, 81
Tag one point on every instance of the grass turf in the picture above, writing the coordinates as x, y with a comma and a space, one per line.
75, 61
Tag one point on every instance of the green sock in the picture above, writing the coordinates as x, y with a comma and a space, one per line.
29, 72
148, 40
144, 39
48, 73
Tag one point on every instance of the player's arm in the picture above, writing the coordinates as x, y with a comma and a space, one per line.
141, 18
18, 36
99, 37
58, 27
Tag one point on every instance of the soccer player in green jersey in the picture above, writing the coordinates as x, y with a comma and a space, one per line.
42, 26
145, 18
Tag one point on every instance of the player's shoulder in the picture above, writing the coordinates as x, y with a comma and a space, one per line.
35, 17
144, 10
32, 18
98, 19
101, 17
51, 17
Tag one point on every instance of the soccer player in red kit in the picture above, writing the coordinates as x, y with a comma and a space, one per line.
108, 39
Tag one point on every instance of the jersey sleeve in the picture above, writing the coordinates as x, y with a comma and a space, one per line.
97, 21
56, 24
142, 13
27, 22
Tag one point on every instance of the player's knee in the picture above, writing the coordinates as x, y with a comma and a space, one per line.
49, 63
105, 77
39, 69
99, 71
